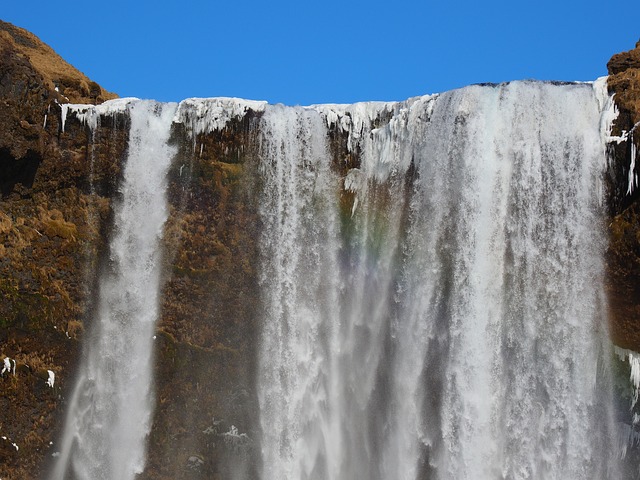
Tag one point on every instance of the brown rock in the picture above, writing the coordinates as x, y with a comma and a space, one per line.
51, 230
621, 62
55, 72
624, 82
623, 258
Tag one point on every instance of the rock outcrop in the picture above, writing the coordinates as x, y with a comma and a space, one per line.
51, 229
623, 260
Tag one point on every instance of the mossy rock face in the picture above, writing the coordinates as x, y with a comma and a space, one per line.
206, 339
55, 203
54, 231
623, 278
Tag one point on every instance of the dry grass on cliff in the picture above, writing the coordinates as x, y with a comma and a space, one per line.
55, 71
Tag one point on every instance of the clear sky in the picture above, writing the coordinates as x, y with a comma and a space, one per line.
331, 51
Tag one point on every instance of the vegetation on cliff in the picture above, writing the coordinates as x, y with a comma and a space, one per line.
51, 229
55, 220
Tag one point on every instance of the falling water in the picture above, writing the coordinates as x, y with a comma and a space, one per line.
439, 312
110, 411
431, 294
301, 302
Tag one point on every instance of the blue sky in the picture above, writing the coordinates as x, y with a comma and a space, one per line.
303, 52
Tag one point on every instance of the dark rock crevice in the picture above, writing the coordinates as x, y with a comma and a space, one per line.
14, 171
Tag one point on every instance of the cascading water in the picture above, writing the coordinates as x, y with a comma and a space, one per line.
432, 302
301, 300
449, 321
110, 412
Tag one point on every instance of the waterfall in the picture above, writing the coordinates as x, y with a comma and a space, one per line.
438, 312
431, 284
110, 411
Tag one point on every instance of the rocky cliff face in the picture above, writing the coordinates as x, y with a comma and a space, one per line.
57, 189
623, 281
51, 230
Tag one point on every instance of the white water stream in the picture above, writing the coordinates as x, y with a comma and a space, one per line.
110, 411
452, 325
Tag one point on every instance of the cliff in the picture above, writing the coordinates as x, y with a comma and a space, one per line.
623, 260
57, 190
47, 244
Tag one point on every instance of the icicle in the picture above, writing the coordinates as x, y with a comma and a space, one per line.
64, 109
632, 167
634, 362
205, 115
